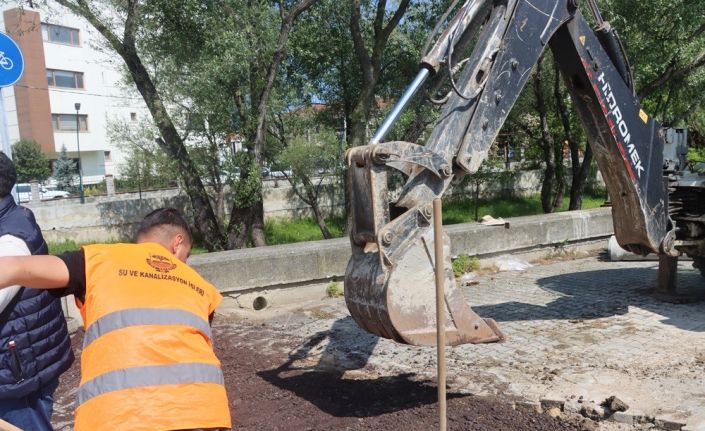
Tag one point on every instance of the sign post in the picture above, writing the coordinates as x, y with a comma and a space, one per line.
11, 68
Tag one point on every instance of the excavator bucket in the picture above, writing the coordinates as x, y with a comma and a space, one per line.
401, 305
389, 283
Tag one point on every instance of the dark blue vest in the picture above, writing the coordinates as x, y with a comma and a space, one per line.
33, 320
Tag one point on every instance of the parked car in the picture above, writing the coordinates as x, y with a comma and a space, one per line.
24, 192
281, 174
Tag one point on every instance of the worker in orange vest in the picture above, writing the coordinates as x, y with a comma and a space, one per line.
147, 361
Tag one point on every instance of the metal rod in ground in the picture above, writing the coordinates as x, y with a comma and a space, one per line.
440, 309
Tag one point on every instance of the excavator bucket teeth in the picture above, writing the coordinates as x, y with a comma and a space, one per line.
400, 304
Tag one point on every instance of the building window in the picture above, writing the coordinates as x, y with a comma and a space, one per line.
60, 34
133, 116
107, 156
67, 122
64, 78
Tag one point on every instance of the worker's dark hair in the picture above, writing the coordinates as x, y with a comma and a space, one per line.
164, 217
8, 175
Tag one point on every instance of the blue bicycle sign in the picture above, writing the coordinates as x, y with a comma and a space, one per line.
6, 62
11, 61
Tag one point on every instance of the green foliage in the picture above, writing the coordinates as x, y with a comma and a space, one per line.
462, 211
490, 172
99, 189
246, 189
333, 290
65, 171
311, 152
696, 154
56, 248
665, 42
465, 263
146, 166
30, 162
297, 230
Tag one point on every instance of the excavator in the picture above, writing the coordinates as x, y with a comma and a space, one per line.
488, 49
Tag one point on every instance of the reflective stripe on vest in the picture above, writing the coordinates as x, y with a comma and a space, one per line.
136, 377
144, 316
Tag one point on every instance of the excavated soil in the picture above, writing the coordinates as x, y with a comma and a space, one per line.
270, 389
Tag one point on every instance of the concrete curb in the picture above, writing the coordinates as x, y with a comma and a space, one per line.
293, 265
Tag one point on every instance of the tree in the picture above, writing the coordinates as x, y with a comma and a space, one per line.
30, 162
312, 153
370, 59
64, 171
119, 23
666, 40
139, 31
490, 173
145, 165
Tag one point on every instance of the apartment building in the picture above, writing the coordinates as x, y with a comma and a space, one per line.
66, 64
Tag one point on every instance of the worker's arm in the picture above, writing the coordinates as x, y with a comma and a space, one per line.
11, 246
39, 272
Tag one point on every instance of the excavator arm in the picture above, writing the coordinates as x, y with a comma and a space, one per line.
389, 279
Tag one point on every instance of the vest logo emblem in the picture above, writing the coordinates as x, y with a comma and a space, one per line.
160, 263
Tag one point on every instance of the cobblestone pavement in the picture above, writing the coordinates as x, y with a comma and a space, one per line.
582, 328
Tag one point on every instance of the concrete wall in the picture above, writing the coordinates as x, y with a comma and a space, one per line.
105, 218
318, 261
100, 218
280, 200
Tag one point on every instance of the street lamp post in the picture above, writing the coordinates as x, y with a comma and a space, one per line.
78, 145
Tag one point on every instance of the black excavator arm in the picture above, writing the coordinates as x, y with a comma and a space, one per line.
390, 275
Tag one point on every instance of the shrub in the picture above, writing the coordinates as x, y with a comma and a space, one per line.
465, 263
333, 290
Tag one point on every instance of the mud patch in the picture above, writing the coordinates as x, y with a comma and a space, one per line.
273, 385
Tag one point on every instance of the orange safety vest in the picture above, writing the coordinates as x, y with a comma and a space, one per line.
147, 360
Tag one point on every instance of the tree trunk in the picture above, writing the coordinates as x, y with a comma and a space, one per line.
370, 68
260, 96
547, 144
477, 200
560, 177
311, 195
579, 180
321, 221
239, 227
206, 222
579, 172
258, 237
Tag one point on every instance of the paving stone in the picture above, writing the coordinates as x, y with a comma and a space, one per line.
549, 403
668, 425
623, 418
528, 406
554, 412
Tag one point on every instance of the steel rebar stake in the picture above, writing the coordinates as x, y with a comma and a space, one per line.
440, 309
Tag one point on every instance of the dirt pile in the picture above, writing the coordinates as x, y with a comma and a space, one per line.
270, 389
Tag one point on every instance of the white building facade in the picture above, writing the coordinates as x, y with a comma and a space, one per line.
66, 63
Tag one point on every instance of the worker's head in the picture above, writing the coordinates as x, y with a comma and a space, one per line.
8, 175
166, 226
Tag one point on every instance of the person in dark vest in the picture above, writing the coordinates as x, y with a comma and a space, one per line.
34, 341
